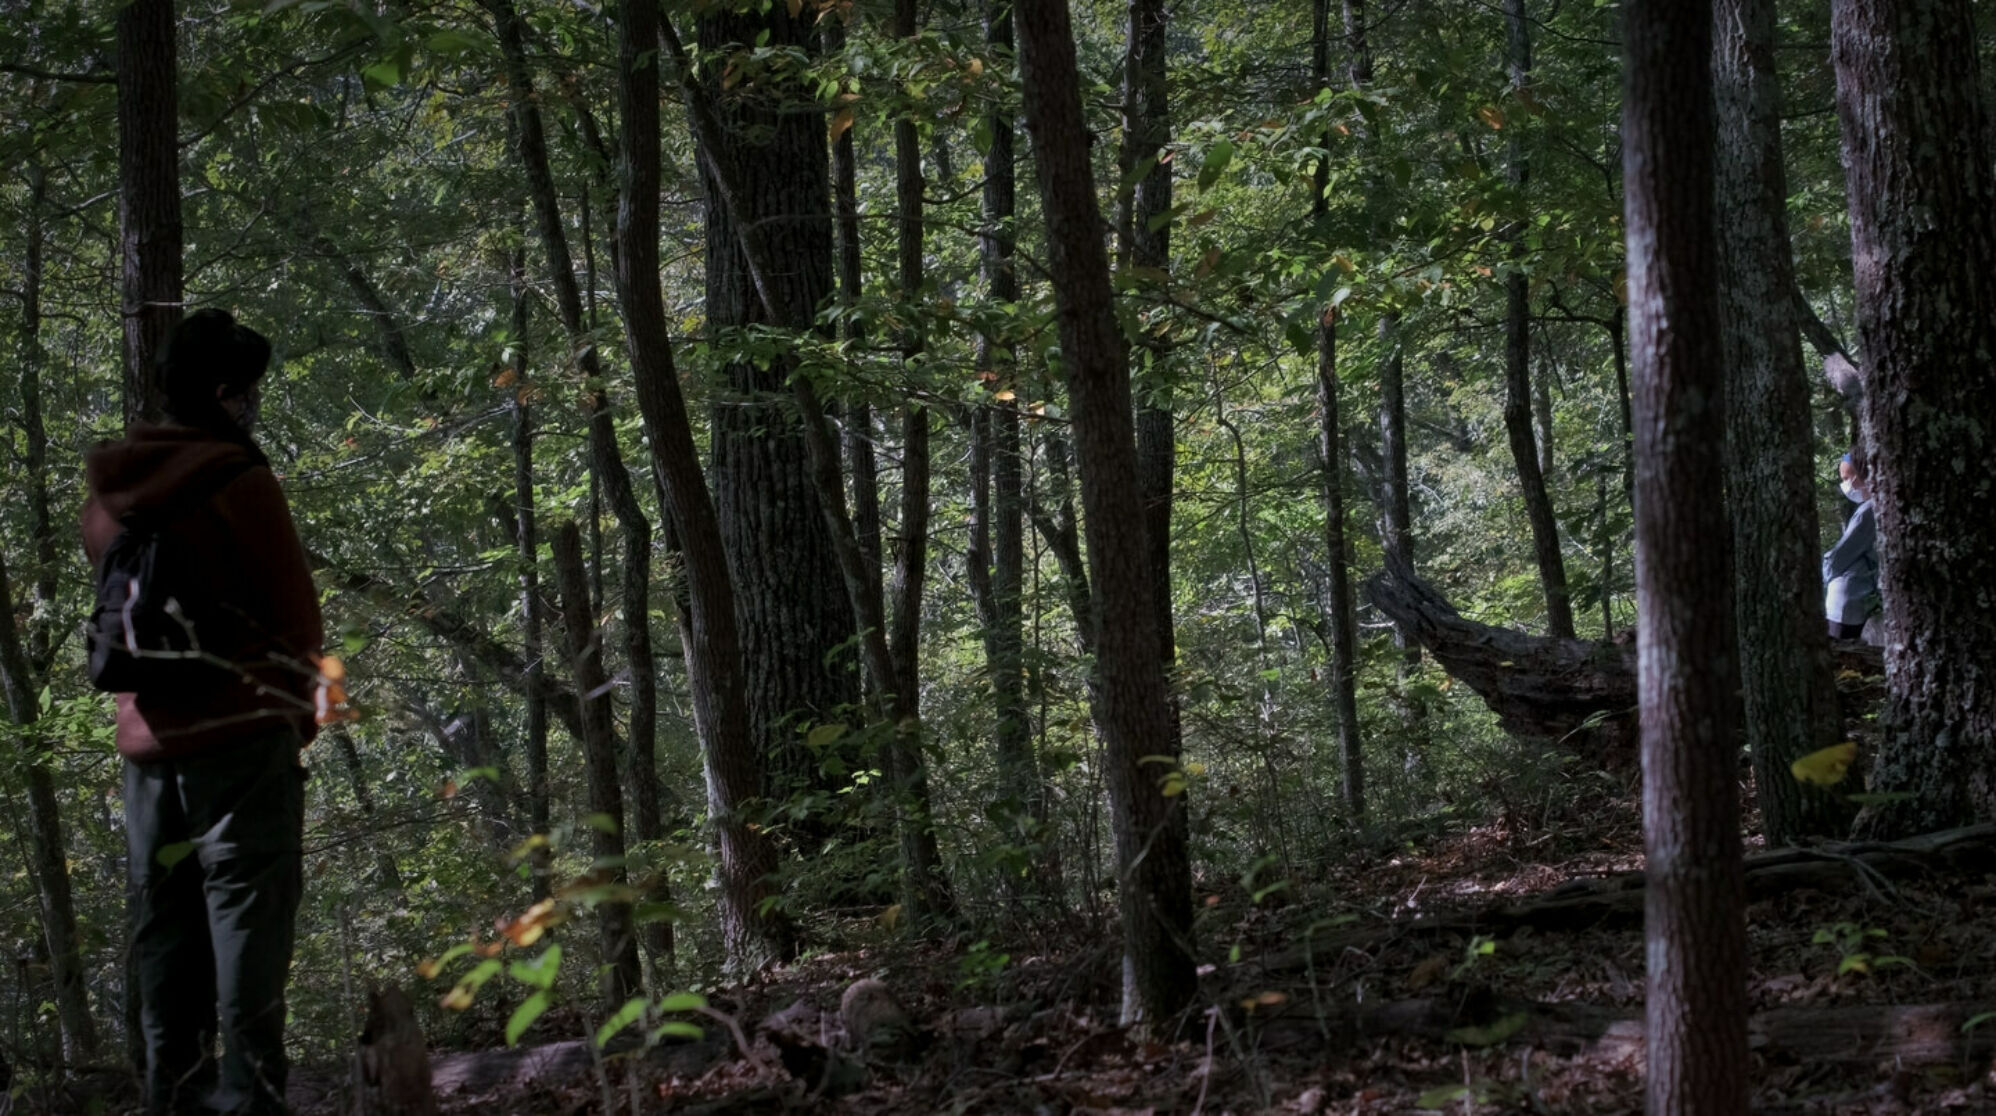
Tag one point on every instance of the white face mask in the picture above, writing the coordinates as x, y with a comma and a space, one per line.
1852, 492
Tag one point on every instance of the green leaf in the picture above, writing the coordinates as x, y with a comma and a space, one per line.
1978, 1020
683, 1001
523, 1017
631, 1012
541, 971
678, 1029
1880, 798
824, 736
1217, 158
170, 855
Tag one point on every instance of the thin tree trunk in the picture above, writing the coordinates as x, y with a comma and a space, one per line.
622, 977
1518, 356
1923, 229
753, 931
1694, 922
606, 458
47, 857
1132, 698
925, 892
1343, 610
1145, 224
1790, 696
527, 539
1001, 518
148, 194
44, 576
1396, 512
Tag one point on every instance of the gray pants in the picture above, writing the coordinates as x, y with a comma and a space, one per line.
216, 876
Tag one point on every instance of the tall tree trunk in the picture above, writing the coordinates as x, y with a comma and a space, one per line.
999, 528
795, 614
925, 888
148, 194
1396, 511
1923, 228
47, 857
1133, 702
1518, 354
1145, 225
857, 436
606, 459
753, 931
1343, 610
1694, 922
622, 977
925, 891
527, 539
45, 574
1790, 696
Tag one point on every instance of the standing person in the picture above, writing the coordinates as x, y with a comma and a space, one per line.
214, 791
1850, 569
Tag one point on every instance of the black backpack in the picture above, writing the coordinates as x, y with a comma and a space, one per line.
140, 638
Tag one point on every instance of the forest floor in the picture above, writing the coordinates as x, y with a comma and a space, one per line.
1868, 993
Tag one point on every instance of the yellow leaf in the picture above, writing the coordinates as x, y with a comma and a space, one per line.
975, 66
1005, 396
1491, 115
841, 120
1826, 767
506, 378
427, 968
891, 917
796, 8
459, 998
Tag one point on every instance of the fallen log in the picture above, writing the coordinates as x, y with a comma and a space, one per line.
1578, 693
1903, 1035
1617, 900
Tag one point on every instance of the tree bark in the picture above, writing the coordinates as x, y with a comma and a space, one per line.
1923, 227
925, 889
754, 931
1343, 610
149, 228
1790, 696
622, 977
1146, 242
606, 458
795, 612
44, 576
47, 857
1132, 699
1000, 500
1695, 926
925, 894
532, 612
1518, 353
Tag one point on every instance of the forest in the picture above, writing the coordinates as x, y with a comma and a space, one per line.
1049, 556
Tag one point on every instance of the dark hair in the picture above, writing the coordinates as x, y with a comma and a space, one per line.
1860, 463
207, 351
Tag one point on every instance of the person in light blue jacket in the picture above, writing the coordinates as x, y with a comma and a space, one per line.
1850, 569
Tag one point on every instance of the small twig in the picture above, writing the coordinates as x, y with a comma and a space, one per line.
1206, 1070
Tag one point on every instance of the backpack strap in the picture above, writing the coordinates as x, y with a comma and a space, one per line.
187, 499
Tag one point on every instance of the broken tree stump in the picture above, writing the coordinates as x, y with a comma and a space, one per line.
394, 1059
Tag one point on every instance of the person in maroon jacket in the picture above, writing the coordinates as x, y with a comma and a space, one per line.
214, 790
